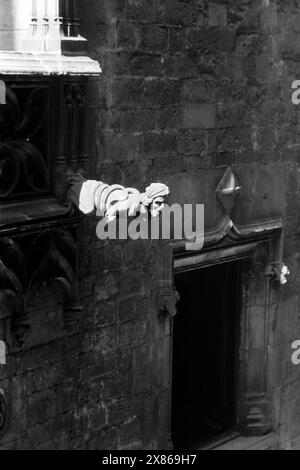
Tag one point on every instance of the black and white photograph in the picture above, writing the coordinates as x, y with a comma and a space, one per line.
149, 228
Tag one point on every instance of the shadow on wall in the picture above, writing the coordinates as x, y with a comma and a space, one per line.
82, 12
14, 20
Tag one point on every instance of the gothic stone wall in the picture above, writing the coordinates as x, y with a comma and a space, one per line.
186, 84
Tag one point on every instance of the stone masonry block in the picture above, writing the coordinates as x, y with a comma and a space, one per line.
199, 115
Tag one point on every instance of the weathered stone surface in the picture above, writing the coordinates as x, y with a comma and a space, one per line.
46, 64
202, 116
187, 86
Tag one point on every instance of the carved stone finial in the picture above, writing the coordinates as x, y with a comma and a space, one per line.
227, 190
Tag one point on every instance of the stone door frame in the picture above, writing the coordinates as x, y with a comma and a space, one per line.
258, 297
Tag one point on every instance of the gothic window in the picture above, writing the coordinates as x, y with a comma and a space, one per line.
42, 134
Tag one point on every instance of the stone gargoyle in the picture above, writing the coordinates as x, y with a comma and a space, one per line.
111, 200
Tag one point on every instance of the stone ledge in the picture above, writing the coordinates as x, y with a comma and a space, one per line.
267, 442
35, 210
23, 63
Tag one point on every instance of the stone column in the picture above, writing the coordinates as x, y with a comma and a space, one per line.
54, 28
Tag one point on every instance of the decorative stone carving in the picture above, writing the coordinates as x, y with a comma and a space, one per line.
29, 63
109, 201
254, 397
42, 131
164, 294
167, 299
32, 144
227, 190
23, 167
277, 271
54, 27
74, 145
255, 402
25, 264
256, 415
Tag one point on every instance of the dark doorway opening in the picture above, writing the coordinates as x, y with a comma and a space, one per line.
205, 355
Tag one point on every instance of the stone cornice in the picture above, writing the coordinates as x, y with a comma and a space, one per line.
26, 63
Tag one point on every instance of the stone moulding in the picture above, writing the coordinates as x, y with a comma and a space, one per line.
227, 190
166, 298
253, 255
227, 230
253, 244
277, 271
29, 63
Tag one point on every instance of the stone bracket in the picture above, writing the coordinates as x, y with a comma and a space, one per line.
166, 301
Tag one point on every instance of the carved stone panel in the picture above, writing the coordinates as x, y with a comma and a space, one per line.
32, 259
37, 241
24, 145
255, 406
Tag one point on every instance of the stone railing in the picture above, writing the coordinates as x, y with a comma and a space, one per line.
54, 27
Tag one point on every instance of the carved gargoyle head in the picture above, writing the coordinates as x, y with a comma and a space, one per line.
113, 200
155, 197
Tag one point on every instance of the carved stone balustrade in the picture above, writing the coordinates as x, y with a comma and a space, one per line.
54, 27
42, 37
